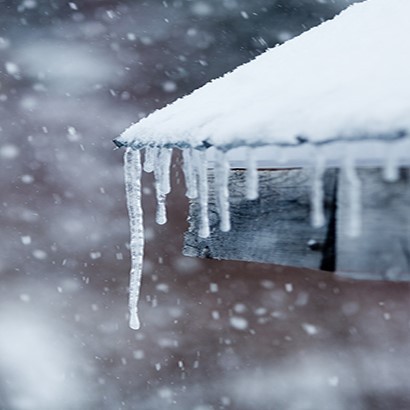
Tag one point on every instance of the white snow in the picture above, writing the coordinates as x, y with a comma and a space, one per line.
310, 329
95, 255
39, 254
213, 287
70, 71
36, 360
12, 68
26, 239
238, 322
345, 79
9, 151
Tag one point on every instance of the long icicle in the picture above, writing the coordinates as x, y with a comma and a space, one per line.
202, 163
161, 213
252, 183
317, 193
191, 180
221, 190
132, 172
354, 217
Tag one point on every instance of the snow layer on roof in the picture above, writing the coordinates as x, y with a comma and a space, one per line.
345, 79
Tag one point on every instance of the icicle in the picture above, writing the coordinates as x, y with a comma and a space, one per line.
317, 196
221, 172
162, 162
149, 160
200, 158
132, 171
391, 167
161, 214
354, 222
251, 176
188, 168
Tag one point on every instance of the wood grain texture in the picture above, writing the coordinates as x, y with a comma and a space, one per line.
382, 252
275, 228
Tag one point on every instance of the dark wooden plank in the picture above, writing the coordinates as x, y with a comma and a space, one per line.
382, 252
275, 228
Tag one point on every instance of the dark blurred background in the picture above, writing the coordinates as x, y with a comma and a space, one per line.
215, 335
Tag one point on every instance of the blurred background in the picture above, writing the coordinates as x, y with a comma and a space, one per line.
215, 335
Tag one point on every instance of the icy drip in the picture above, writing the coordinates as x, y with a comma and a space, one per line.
251, 176
149, 160
162, 163
221, 189
391, 166
317, 193
200, 158
354, 220
132, 171
190, 174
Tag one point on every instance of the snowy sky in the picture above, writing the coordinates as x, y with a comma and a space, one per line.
215, 335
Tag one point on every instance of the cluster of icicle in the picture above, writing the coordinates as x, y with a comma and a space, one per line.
195, 168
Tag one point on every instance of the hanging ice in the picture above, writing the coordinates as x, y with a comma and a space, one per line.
317, 197
190, 174
161, 214
202, 163
221, 190
391, 166
149, 161
162, 163
132, 171
251, 176
354, 218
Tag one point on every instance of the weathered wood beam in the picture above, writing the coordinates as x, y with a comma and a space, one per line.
275, 228
382, 251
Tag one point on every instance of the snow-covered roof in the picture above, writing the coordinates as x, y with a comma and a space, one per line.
347, 79
344, 81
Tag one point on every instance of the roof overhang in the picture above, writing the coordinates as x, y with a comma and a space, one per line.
341, 83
